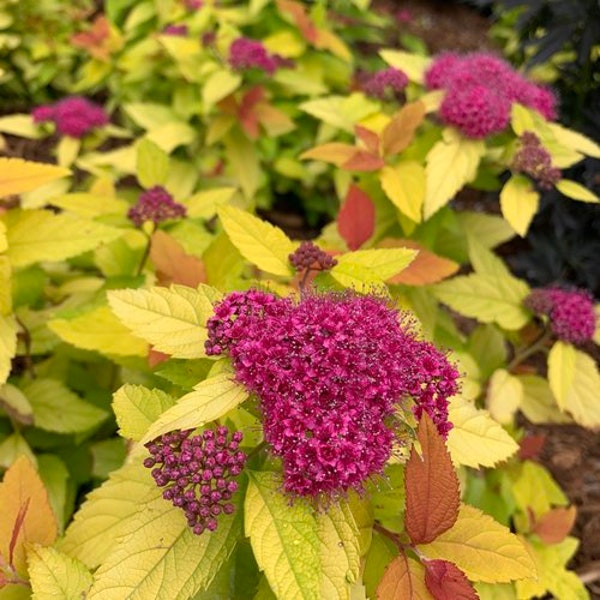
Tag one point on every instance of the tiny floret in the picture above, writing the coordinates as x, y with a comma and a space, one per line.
156, 205
388, 83
534, 160
73, 116
309, 256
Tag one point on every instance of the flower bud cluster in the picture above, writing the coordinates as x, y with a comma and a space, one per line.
330, 372
480, 90
310, 256
198, 472
73, 116
571, 312
156, 205
176, 30
388, 83
245, 53
534, 160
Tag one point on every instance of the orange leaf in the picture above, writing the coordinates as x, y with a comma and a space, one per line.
369, 138
432, 491
275, 121
356, 219
26, 514
173, 264
531, 446
446, 581
156, 357
404, 578
555, 525
333, 152
362, 160
425, 269
96, 40
298, 14
399, 132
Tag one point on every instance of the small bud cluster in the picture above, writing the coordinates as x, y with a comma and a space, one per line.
571, 312
330, 371
480, 90
176, 30
388, 83
534, 160
310, 256
245, 53
156, 205
198, 472
73, 116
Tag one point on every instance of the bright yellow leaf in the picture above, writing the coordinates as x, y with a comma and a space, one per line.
504, 396
404, 184
576, 191
8, 345
414, 65
18, 176
519, 202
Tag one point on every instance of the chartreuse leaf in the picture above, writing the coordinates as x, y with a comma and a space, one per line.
211, 399
497, 591
136, 408
221, 83
576, 191
574, 140
259, 242
304, 554
53, 574
244, 160
40, 235
99, 330
158, 556
575, 381
88, 206
18, 176
534, 489
451, 163
489, 230
519, 202
476, 440
414, 65
538, 403
482, 548
172, 319
26, 514
504, 396
152, 167
342, 112
8, 345
404, 184
204, 204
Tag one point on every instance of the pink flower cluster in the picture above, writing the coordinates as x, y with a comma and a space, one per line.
73, 116
156, 205
176, 30
534, 160
571, 312
245, 53
386, 83
329, 371
480, 90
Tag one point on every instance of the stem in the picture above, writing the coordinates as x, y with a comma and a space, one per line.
146, 253
396, 539
537, 345
26, 337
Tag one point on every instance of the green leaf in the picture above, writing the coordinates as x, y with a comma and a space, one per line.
58, 409
89, 206
170, 136
107, 456
304, 554
99, 330
519, 202
172, 319
451, 163
152, 164
40, 235
488, 346
137, 407
56, 575
575, 381
489, 230
244, 162
413, 65
533, 488
220, 84
148, 115
259, 242
211, 399
204, 205
538, 403
576, 191
404, 184
14, 402
55, 476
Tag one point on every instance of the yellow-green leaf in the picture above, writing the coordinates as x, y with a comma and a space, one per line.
414, 65
519, 202
152, 165
211, 399
259, 242
522, 119
342, 112
204, 205
137, 407
574, 140
170, 136
8, 345
99, 330
172, 319
41, 235
489, 230
533, 488
220, 84
89, 206
18, 176
56, 575
576, 191
504, 396
21, 125
404, 184
538, 403
575, 381
244, 162
305, 554
476, 440
382, 262
482, 548
451, 163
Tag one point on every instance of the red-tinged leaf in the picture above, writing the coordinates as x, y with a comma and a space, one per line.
404, 579
96, 39
275, 121
333, 152
18, 525
432, 490
531, 446
425, 269
356, 219
369, 138
173, 264
362, 160
246, 111
555, 525
298, 14
155, 358
400, 131
446, 581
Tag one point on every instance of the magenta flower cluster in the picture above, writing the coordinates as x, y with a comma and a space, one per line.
330, 371
246, 53
534, 160
156, 205
73, 116
388, 83
198, 472
480, 90
571, 312
176, 30
310, 256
